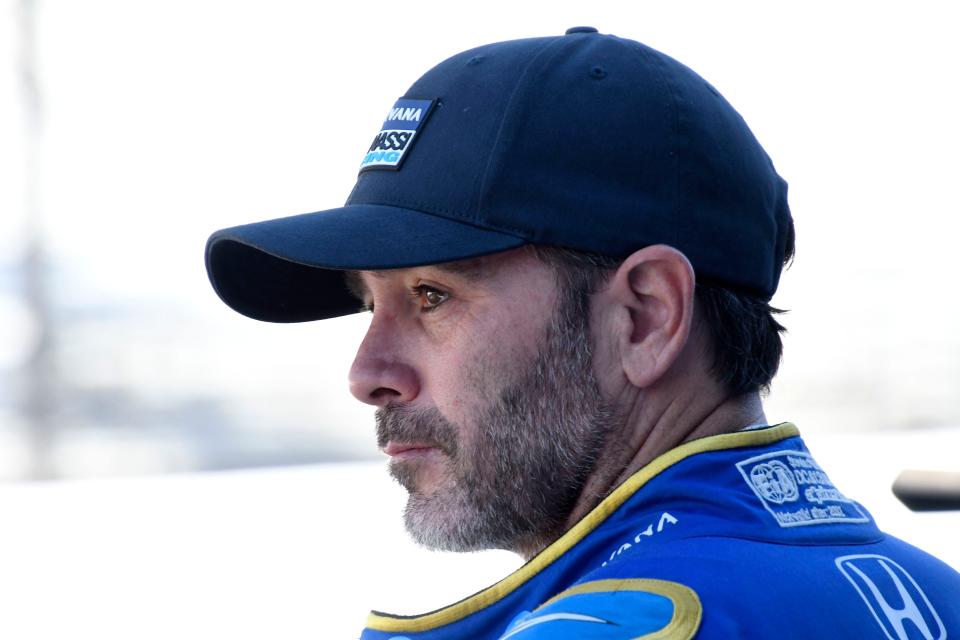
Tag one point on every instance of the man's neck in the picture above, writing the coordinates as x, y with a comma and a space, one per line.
648, 435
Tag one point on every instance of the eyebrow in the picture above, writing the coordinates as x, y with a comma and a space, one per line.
470, 269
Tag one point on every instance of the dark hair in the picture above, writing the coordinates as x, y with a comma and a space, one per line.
744, 335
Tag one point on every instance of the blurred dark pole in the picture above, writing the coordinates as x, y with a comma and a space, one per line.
928, 490
39, 379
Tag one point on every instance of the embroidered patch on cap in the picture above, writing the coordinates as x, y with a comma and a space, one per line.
399, 130
796, 491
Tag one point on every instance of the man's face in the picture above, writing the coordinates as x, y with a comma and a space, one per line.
487, 402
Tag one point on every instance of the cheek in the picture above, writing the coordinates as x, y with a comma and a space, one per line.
445, 370
482, 348
502, 358
472, 366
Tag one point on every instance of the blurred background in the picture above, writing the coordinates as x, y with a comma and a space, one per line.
168, 466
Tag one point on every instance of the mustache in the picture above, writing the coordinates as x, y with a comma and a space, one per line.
422, 425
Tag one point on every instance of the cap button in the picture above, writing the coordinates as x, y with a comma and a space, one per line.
581, 30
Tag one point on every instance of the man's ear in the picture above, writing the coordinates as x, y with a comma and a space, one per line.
652, 293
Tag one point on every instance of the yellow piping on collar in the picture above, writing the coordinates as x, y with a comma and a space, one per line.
496, 592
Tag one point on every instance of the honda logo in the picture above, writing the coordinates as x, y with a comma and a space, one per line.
895, 599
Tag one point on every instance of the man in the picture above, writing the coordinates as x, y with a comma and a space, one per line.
568, 246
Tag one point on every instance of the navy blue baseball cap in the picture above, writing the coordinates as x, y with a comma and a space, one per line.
585, 141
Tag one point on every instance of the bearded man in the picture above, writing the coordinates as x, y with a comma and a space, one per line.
568, 246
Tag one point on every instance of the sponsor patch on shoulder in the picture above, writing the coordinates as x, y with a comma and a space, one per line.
615, 609
796, 491
404, 121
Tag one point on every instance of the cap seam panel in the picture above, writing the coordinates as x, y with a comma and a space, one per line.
673, 124
508, 110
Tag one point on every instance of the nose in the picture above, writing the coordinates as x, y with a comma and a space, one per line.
379, 375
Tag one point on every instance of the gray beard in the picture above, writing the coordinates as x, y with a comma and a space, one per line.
513, 479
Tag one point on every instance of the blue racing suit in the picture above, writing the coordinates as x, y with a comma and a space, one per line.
740, 535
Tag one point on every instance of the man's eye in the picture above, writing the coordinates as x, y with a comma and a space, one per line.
429, 297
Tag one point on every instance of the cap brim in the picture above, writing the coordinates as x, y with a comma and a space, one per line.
291, 269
